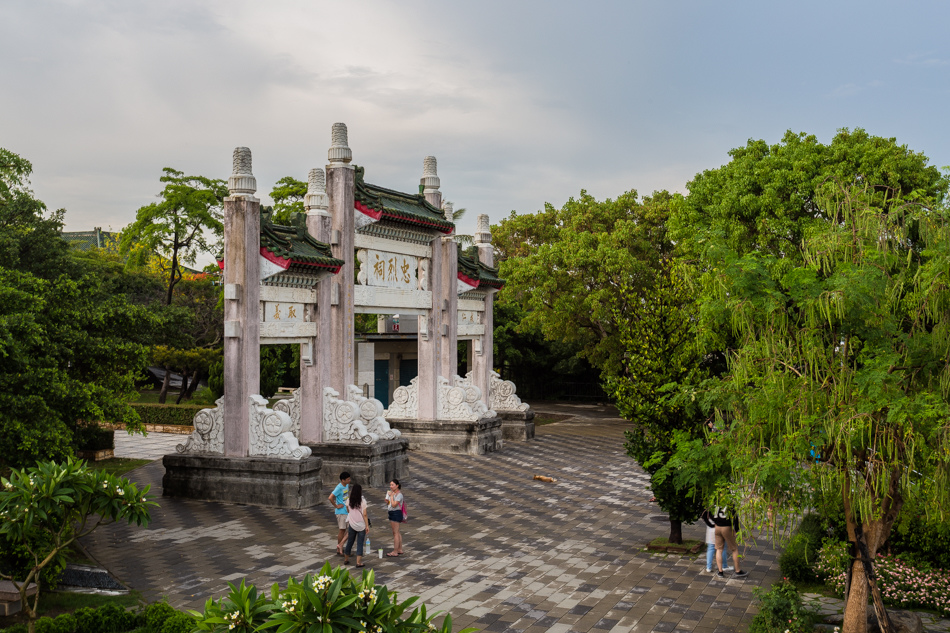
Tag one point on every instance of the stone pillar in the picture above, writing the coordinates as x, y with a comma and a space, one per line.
341, 180
315, 376
430, 325
242, 291
366, 368
450, 304
482, 357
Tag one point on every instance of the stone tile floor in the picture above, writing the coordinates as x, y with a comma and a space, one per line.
485, 542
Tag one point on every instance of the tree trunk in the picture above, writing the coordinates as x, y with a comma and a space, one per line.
164, 392
171, 278
184, 387
676, 532
194, 384
867, 538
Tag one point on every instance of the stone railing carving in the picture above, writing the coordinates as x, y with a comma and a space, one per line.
270, 433
291, 406
405, 404
502, 396
208, 436
461, 401
371, 413
342, 421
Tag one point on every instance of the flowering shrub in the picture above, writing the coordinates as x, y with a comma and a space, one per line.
781, 611
331, 602
905, 586
834, 557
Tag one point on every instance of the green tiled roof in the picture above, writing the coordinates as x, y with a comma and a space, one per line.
296, 244
400, 207
471, 267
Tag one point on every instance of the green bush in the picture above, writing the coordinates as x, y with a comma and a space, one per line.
156, 614
109, 618
15, 559
16, 628
182, 415
331, 602
216, 379
781, 611
92, 437
801, 553
179, 623
915, 537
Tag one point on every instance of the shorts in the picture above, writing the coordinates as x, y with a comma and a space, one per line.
341, 521
725, 536
395, 516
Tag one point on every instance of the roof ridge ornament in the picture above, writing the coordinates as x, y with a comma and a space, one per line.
242, 183
339, 153
316, 200
448, 210
430, 177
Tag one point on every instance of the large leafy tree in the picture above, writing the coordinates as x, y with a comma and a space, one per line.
662, 356
825, 289
572, 269
288, 194
183, 224
70, 348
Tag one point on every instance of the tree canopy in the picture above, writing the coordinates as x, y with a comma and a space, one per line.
177, 228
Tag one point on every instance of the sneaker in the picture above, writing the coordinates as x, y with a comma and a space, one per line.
729, 568
720, 574
741, 574
708, 570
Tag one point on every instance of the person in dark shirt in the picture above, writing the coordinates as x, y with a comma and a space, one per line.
726, 528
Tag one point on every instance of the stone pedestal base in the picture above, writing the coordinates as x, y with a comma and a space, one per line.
260, 481
370, 465
449, 436
516, 426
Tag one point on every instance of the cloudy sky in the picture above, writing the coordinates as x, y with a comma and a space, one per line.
522, 102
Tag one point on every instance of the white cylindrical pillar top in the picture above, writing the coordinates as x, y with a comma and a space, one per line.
448, 209
430, 176
483, 231
339, 153
242, 183
316, 199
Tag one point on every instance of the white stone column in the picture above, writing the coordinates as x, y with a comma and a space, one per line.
242, 280
450, 304
430, 325
316, 376
482, 357
341, 180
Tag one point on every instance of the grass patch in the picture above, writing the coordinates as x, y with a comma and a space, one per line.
688, 546
53, 604
117, 465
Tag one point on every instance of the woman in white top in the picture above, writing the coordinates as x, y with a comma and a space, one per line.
394, 502
357, 525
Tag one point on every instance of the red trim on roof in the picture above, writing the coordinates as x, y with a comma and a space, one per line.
365, 210
467, 280
283, 262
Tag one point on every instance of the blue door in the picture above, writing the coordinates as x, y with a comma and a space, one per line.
381, 383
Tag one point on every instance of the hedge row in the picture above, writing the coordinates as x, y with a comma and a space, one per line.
168, 413
158, 617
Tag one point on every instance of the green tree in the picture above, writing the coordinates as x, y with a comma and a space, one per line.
176, 228
662, 356
573, 269
57, 504
839, 379
288, 194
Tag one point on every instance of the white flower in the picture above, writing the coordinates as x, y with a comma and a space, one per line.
119, 491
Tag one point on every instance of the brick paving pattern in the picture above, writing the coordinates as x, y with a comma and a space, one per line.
485, 542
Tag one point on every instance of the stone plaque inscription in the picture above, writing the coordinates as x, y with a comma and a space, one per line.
387, 270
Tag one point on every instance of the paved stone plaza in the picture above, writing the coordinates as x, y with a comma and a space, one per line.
485, 542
